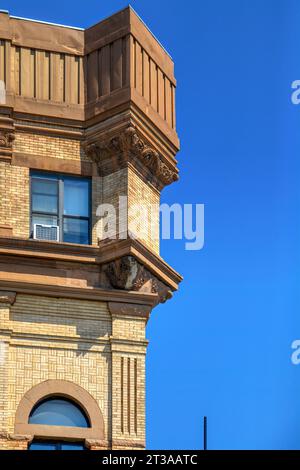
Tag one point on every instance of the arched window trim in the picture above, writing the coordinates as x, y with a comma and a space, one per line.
69, 391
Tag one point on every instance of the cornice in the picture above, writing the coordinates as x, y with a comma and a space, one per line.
96, 294
107, 252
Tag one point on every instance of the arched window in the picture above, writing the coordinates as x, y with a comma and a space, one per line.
57, 411
59, 415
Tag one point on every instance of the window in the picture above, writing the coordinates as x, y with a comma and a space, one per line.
63, 202
56, 445
57, 411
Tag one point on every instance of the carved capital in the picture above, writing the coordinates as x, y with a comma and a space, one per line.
128, 274
7, 134
128, 147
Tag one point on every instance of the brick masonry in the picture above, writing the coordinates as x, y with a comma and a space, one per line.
63, 339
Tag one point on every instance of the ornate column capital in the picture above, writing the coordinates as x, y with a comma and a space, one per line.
7, 133
127, 147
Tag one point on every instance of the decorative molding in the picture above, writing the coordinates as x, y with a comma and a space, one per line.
47, 290
128, 274
7, 297
128, 147
7, 134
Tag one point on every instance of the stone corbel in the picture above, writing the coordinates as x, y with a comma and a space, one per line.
7, 297
128, 274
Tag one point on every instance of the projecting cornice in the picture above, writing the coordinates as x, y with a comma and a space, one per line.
128, 147
85, 77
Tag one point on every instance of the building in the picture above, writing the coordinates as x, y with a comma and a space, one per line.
87, 118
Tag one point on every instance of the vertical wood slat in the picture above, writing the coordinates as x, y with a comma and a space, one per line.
8, 66
57, 77
146, 76
92, 85
99, 71
27, 75
153, 84
168, 101
105, 70
116, 64
80, 81
2, 60
12, 71
173, 107
71, 79
125, 62
18, 70
138, 68
161, 93
42, 75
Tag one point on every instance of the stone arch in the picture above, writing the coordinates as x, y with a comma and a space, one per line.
64, 389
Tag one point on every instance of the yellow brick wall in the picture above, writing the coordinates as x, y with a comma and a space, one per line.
57, 339
141, 193
66, 339
14, 198
49, 146
108, 190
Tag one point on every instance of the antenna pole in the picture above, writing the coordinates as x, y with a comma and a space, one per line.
205, 433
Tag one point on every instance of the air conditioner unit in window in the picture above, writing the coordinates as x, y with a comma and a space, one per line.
46, 232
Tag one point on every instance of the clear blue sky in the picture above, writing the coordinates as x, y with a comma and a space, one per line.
221, 347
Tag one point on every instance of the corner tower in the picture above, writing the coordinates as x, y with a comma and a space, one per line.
87, 119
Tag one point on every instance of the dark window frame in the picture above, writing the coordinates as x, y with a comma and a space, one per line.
60, 178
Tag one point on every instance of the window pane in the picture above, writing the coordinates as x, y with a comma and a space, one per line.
44, 219
71, 446
76, 231
58, 412
43, 446
44, 186
76, 197
41, 203
44, 195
